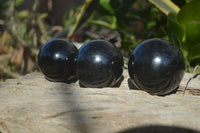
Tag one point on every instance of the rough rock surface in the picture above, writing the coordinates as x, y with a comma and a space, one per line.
31, 104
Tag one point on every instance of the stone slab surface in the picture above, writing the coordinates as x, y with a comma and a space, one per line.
31, 104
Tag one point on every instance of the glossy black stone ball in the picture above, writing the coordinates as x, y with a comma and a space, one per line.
99, 64
156, 66
56, 60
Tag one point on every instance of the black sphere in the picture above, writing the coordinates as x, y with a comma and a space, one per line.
56, 60
99, 64
156, 66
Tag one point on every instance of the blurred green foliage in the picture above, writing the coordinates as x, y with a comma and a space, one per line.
138, 20
21, 38
183, 30
3, 6
135, 20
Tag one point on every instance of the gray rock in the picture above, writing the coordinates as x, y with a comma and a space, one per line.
31, 104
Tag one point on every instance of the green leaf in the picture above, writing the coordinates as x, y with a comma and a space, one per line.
23, 14
102, 11
166, 6
189, 12
192, 34
19, 2
175, 32
112, 25
43, 15
22, 28
194, 52
106, 5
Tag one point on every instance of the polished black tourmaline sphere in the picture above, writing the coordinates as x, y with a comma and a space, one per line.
56, 60
99, 64
156, 66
